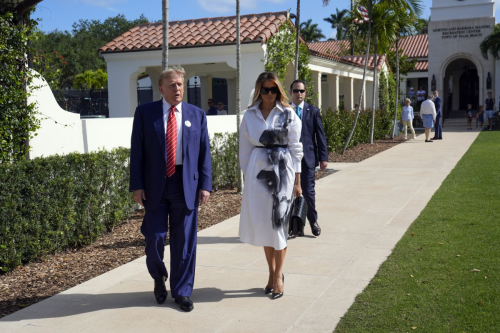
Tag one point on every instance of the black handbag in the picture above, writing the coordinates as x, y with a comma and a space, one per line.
298, 217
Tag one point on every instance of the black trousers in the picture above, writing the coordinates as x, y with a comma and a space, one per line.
307, 182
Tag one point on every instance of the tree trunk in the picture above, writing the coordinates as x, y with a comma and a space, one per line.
164, 49
238, 90
297, 42
375, 60
397, 90
364, 79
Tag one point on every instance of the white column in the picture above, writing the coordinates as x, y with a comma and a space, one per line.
316, 76
496, 81
348, 93
333, 91
154, 75
231, 97
122, 89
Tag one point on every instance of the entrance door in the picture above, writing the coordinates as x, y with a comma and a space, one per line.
469, 89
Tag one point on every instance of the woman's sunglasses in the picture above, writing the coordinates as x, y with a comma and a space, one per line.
266, 91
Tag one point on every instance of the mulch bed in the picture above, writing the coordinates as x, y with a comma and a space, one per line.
53, 274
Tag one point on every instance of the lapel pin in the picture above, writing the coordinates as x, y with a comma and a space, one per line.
187, 123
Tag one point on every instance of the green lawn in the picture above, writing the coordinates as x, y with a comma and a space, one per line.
444, 274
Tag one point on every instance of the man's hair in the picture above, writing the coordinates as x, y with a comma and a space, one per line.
298, 81
437, 92
489, 92
430, 96
210, 100
171, 71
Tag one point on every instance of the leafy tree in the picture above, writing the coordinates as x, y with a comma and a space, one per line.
338, 22
491, 44
310, 31
421, 26
91, 80
80, 47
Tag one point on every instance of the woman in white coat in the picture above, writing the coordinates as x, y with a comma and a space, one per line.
270, 155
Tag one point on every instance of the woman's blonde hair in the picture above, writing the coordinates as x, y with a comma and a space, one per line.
263, 77
407, 100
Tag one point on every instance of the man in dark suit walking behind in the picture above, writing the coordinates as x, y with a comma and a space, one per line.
315, 149
438, 130
170, 175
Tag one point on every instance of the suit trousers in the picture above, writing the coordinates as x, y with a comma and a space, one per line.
172, 211
438, 129
307, 182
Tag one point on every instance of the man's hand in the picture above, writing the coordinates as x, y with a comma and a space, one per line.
323, 165
139, 195
203, 196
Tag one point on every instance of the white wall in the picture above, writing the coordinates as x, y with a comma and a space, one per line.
62, 132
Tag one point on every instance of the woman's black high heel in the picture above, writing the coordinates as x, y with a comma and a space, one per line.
278, 295
268, 290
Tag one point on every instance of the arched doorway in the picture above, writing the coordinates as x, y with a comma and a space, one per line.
461, 87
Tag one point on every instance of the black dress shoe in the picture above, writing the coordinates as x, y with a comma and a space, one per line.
278, 295
185, 303
316, 230
160, 291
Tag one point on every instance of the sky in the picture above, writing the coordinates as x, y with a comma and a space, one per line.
61, 14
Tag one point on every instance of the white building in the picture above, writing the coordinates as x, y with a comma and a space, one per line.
206, 48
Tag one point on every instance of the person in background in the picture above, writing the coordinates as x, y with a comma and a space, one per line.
315, 149
428, 114
438, 130
490, 105
468, 114
420, 96
212, 110
221, 111
480, 117
411, 94
407, 118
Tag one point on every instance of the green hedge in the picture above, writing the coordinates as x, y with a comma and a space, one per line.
338, 125
225, 164
49, 204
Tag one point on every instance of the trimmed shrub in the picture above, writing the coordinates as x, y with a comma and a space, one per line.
52, 203
338, 125
225, 163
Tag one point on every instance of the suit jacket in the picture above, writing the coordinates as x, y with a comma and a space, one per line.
313, 136
437, 103
148, 155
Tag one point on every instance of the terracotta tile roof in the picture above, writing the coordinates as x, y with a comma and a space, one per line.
415, 46
334, 47
199, 32
422, 66
360, 60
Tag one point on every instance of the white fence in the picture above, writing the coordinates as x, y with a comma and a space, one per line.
62, 132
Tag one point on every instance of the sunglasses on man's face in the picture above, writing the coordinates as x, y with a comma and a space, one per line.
266, 91
295, 91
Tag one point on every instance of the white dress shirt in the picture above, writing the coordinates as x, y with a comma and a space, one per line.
178, 118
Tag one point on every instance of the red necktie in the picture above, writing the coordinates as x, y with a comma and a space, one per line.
171, 141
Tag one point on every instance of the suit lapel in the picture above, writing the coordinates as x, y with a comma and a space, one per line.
159, 125
187, 116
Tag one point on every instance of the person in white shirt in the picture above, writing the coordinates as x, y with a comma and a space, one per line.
407, 118
221, 111
421, 94
428, 114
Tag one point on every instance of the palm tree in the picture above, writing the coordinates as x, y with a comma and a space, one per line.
297, 32
164, 49
310, 32
404, 22
238, 87
337, 22
491, 43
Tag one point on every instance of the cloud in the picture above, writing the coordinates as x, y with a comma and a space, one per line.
104, 4
229, 6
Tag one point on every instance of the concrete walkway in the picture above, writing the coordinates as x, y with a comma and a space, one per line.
364, 210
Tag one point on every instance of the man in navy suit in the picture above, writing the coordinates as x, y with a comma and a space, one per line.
170, 175
438, 130
315, 150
